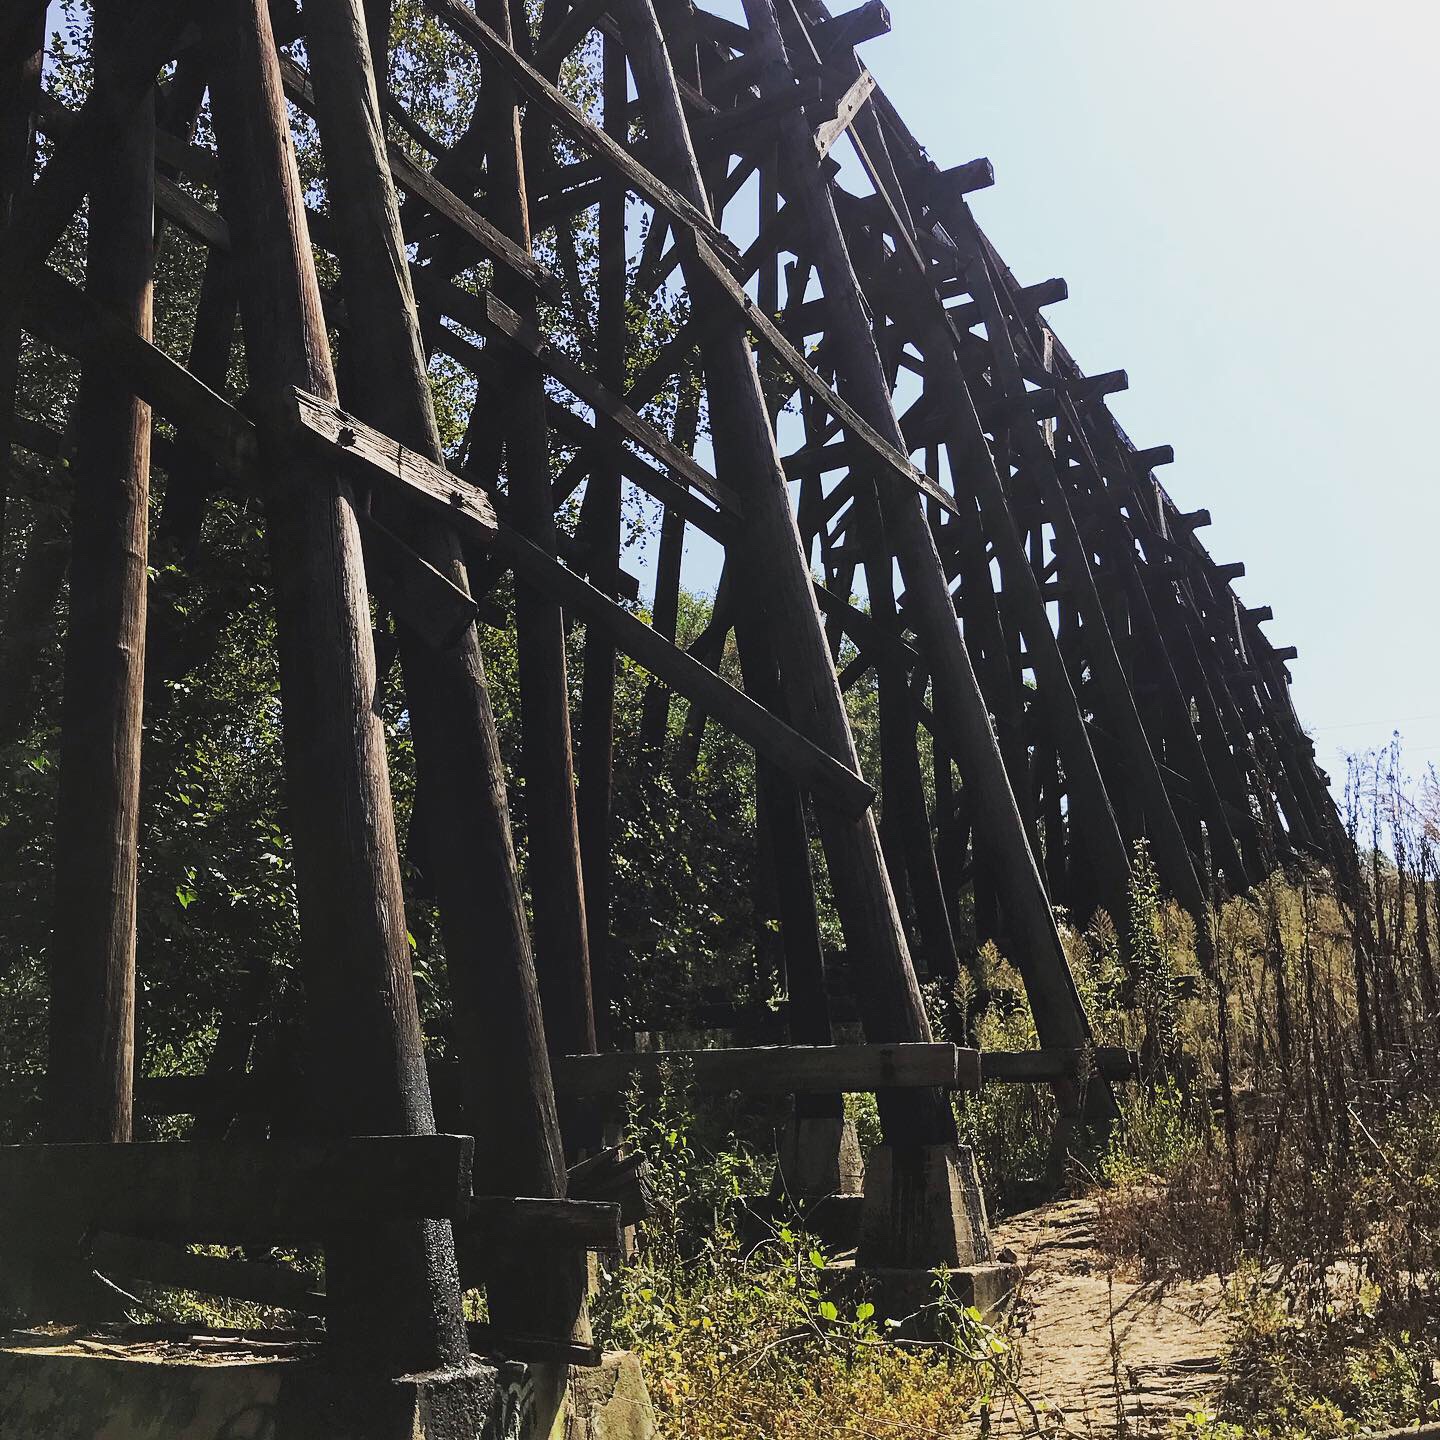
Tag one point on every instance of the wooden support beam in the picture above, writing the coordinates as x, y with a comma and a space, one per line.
612, 1176
777, 1070
961, 708
498, 1028
488, 1340
1088, 388
828, 779
406, 473
1233, 570
235, 1190
486, 312
132, 1260
141, 42
398, 1302
89, 1080
846, 109
746, 125
774, 574
1156, 455
502, 1221
1194, 519
851, 28
1045, 292
1033, 1067
961, 180
60, 313
561, 113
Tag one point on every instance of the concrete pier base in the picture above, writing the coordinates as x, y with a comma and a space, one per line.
923, 1208
72, 1386
819, 1157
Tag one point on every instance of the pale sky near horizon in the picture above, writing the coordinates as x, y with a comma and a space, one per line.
1242, 196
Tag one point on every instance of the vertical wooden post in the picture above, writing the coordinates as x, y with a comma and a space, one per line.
19, 89
97, 827
395, 1290
774, 566
600, 530
562, 953
499, 1031
665, 616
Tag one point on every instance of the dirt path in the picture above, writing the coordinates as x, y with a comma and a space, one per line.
1104, 1357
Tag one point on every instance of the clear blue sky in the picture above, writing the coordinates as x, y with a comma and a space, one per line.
1243, 197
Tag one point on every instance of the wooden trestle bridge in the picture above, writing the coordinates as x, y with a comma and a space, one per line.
889, 410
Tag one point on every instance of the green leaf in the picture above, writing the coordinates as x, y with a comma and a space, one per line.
817, 1259
828, 1310
787, 1235
864, 1310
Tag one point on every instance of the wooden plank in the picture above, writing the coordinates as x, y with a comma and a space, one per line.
560, 112
778, 1069
236, 1189
415, 180
492, 242
496, 1221
845, 31
379, 458
63, 315
623, 1180
130, 1259
803, 761
845, 112
432, 604
487, 1340
1024, 1067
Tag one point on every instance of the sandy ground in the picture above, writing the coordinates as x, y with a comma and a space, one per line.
1103, 1355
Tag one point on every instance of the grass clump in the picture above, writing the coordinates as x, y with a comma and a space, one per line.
744, 1335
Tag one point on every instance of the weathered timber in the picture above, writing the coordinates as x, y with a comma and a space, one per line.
613, 1176
1025, 1067
746, 451
496, 1222
396, 1290
778, 1070
20, 71
470, 853
600, 520
89, 1078
132, 1259
809, 764
559, 111
236, 1190
487, 1340
562, 946
140, 42
959, 702
376, 456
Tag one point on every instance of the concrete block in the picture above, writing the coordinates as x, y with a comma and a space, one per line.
923, 1208
69, 1385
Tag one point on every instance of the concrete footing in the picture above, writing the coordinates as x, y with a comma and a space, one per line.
67, 1386
819, 1157
923, 1208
